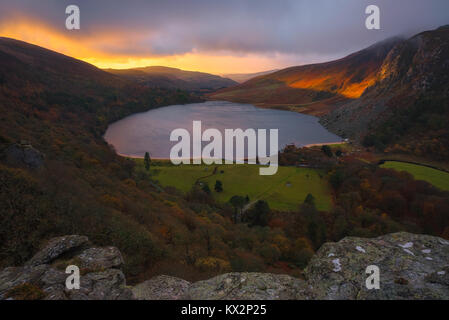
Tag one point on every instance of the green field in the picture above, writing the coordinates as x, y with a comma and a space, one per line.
439, 179
285, 190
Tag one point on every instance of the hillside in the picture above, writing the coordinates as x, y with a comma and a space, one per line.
172, 78
313, 89
54, 110
243, 77
407, 108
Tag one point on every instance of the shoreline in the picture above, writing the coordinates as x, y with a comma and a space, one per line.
255, 105
323, 144
168, 159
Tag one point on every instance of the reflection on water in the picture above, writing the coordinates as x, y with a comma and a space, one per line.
150, 131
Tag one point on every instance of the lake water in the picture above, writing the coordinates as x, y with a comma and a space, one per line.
150, 131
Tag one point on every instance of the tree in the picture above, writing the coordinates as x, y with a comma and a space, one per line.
327, 151
218, 186
147, 161
337, 178
258, 214
206, 189
310, 200
314, 222
238, 202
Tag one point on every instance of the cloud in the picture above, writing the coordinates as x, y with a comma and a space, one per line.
302, 28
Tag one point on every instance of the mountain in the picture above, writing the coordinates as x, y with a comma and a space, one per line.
407, 107
172, 78
392, 96
243, 77
315, 88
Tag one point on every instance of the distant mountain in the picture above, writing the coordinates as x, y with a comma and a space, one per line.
243, 77
172, 78
314, 88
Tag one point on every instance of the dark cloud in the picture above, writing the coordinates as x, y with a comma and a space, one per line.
300, 27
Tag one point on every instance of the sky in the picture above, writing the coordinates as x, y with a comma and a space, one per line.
216, 36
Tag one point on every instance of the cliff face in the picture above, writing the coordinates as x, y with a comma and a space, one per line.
410, 267
414, 69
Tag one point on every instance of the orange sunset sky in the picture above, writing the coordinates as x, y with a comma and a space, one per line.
233, 36
88, 48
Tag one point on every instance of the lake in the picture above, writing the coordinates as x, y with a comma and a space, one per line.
150, 131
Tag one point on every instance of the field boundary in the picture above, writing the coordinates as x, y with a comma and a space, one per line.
382, 161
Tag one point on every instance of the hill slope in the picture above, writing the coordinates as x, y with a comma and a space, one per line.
317, 87
407, 109
172, 78
243, 77
61, 106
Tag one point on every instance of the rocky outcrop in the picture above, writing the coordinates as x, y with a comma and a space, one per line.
55, 248
410, 267
44, 276
23, 154
162, 288
248, 286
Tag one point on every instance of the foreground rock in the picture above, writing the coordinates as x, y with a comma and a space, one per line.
55, 248
411, 267
162, 288
248, 286
44, 277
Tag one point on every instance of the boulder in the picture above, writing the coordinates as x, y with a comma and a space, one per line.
411, 267
161, 288
105, 285
56, 247
44, 277
13, 277
248, 286
100, 258
25, 155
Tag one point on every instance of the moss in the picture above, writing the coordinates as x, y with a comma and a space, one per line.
26, 291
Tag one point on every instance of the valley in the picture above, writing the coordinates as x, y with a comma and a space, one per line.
164, 219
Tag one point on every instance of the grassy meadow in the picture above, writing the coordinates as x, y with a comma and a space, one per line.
284, 191
439, 179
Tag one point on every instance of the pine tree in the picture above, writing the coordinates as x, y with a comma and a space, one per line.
218, 186
147, 161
